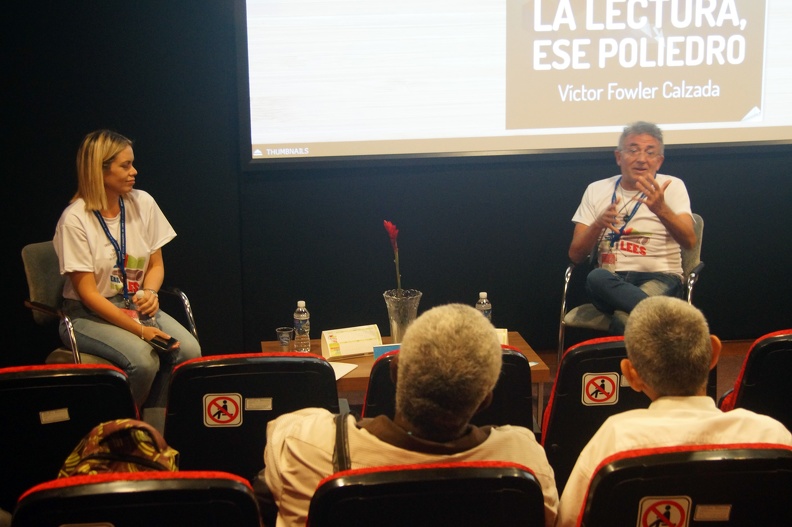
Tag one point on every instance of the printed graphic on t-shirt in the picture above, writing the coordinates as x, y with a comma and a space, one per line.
134, 269
636, 243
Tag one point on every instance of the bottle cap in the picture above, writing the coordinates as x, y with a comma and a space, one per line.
483, 294
301, 303
139, 293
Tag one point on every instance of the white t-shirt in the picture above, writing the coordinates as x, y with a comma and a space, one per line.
82, 245
646, 246
669, 421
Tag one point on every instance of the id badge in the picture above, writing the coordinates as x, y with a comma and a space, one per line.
131, 313
607, 258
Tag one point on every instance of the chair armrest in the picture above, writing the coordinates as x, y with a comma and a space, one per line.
56, 314
567, 277
692, 278
697, 270
178, 293
47, 310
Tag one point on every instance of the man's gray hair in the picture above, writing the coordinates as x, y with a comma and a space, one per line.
641, 128
449, 361
668, 343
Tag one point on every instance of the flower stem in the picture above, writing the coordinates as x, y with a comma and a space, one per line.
398, 275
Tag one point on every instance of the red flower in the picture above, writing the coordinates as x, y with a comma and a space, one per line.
393, 233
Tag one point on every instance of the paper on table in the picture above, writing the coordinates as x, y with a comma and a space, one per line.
342, 368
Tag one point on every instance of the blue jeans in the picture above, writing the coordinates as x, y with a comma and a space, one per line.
623, 290
148, 371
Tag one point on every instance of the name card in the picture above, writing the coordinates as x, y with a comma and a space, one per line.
350, 342
379, 351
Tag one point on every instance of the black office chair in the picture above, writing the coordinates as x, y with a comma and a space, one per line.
703, 485
512, 401
48, 410
45, 286
133, 499
763, 384
219, 406
588, 389
458, 493
594, 322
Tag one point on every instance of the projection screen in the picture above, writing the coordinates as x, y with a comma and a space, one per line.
344, 79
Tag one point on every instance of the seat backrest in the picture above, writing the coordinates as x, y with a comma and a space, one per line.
49, 408
219, 406
45, 283
380, 398
512, 401
588, 388
172, 499
763, 384
460, 493
694, 485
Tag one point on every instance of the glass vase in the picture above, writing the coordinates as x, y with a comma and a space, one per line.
402, 310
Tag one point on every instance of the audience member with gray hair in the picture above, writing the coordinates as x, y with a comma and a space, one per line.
669, 355
446, 369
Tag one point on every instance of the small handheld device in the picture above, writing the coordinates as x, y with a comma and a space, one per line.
162, 344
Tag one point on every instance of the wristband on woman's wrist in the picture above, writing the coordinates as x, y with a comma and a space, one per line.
153, 292
142, 336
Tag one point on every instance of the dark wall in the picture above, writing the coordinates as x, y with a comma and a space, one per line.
251, 244
161, 73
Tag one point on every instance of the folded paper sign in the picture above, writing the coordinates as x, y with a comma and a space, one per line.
360, 341
350, 342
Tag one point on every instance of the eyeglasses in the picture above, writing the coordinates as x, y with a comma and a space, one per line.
635, 152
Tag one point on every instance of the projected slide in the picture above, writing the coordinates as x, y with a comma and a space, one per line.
341, 78
669, 61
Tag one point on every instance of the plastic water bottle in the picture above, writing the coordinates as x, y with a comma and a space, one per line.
302, 328
146, 320
484, 306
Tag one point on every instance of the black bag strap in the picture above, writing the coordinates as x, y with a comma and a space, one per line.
341, 459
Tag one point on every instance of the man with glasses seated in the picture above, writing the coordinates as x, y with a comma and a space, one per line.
639, 220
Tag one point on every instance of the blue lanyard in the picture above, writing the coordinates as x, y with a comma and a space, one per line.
614, 237
120, 250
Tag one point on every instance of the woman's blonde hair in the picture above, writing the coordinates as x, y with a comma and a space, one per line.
97, 150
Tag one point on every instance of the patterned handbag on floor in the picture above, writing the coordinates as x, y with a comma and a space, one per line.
122, 445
